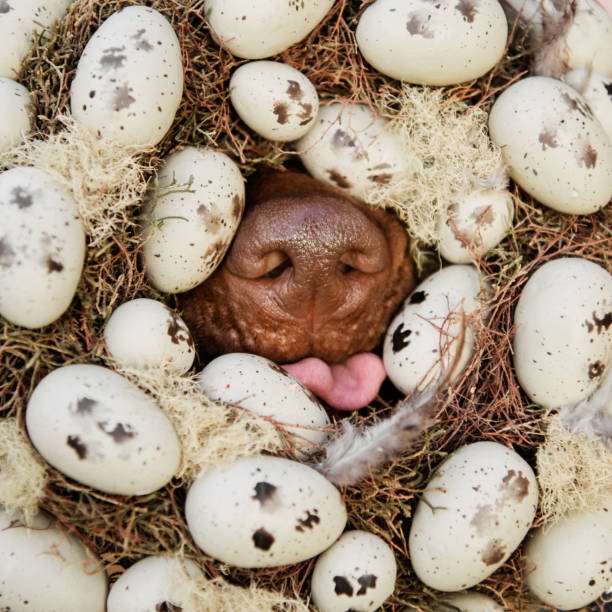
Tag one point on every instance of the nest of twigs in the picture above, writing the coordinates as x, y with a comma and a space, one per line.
484, 404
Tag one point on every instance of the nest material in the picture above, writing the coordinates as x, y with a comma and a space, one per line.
484, 404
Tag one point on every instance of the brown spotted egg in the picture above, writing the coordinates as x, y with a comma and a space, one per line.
190, 218
42, 248
264, 511
475, 511
129, 79
15, 108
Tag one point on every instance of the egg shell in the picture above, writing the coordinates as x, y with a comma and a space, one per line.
15, 108
18, 21
254, 29
44, 568
429, 317
597, 91
264, 512
473, 224
473, 514
42, 248
259, 385
353, 150
191, 218
144, 333
563, 340
432, 43
554, 147
357, 573
274, 99
588, 41
569, 564
129, 78
471, 602
150, 585
100, 429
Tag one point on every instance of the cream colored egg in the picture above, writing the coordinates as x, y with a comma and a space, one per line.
255, 29
554, 148
563, 339
471, 602
191, 218
433, 43
473, 224
19, 20
129, 79
42, 248
259, 385
100, 429
15, 108
475, 511
274, 99
264, 511
357, 572
570, 562
429, 321
352, 149
145, 333
44, 568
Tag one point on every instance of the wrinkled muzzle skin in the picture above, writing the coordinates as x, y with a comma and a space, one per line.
311, 272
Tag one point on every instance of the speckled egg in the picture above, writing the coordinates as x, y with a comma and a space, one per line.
554, 147
470, 601
352, 149
563, 340
357, 573
18, 21
473, 224
430, 319
144, 333
44, 568
42, 248
255, 29
129, 79
153, 584
100, 429
570, 562
191, 218
274, 99
432, 43
264, 511
16, 108
475, 511
259, 385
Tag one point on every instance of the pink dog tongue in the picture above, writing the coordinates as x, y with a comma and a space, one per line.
345, 386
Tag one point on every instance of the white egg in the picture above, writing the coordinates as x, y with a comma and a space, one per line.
473, 224
191, 218
264, 512
554, 148
430, 320
42, 248
259, 385
16, 108
353, 150
274, 99
433, 43
18, 21
44, 568
569, 564
144, 333
100, 429
255, 29
152, 584
471, 602
597, 91
357, 573
475, 511
563, 340
129, 79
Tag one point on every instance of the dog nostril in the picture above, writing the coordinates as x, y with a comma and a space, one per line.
344, 268
277, 270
